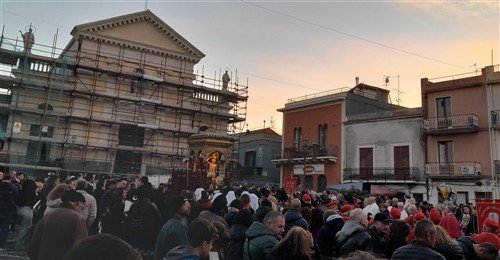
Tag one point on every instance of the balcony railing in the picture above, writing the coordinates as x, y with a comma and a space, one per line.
452, 124
454, 169
386, 174
307, 154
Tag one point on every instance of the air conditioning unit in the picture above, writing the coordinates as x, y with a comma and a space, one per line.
467, 170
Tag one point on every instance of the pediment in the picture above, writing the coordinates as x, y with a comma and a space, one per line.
143, 28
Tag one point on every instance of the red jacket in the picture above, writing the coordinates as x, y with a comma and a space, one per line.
450, 223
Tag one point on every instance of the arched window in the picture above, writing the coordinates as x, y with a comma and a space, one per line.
321, 183
42, 106
308, 182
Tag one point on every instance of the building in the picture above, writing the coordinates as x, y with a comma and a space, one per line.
461, 129
121, 97
386, 151
314, 134
255, 149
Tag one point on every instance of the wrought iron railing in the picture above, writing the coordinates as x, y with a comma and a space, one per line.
382, 174
453, 169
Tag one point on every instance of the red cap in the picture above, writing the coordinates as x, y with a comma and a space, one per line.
371, 222
306, 198
435, 216
331, 204
345, 209
491, 224
409, 220
419, 216
395, 213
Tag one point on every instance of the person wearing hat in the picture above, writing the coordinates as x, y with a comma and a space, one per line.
345, 212
174, 232
379, 230
60, 229
489, 234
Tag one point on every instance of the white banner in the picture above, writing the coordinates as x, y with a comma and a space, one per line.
310, 169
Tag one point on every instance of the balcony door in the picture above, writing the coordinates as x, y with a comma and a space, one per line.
366, 163
402, 162
443, 111
445, 157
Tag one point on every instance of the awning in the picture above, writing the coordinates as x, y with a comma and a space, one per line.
377, 190
346, 186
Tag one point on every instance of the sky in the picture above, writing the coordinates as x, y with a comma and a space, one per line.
289, 49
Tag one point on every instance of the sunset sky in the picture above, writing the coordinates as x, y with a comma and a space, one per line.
288, 49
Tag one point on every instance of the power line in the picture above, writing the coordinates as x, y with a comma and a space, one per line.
350, 35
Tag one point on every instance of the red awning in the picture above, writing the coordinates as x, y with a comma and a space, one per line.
377, 190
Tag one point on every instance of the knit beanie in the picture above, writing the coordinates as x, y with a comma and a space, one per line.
395, 213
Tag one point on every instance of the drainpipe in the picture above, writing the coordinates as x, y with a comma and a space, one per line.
492, 139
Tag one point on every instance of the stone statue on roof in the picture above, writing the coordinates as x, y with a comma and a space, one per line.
225, 80
28, 39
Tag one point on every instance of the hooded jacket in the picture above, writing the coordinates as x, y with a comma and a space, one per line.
259, 242
182, 253
353, 236
326, 237
294, 218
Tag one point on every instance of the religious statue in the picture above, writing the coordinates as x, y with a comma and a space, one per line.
28, 40
225, 80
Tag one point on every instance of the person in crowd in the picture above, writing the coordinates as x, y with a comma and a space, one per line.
201, 236
293, 216
450, 222
246, 200
345, 211
240, 224
54, 197
174, 231
435, 216
15, 182
447, 246
401, 209
383, 208
113, 218
234, 207
316, 222
27, 199
60, 229
465, 219
143, 222
422, 245
297, 244
216, 211
90, 211
379, 230
371, 206
222, 240
473, 251
333, 224
102, 246
262, 237
490, 233
398, 231
395, 214
8, 198
354, 235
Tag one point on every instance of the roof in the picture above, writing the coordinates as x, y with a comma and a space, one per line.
162, 31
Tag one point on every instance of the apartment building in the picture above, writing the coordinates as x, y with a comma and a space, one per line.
314, 137
461, 128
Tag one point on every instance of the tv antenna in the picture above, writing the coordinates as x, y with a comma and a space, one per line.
387, 82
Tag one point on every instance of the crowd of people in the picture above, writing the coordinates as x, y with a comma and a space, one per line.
91, 217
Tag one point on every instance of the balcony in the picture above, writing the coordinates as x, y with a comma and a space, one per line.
308, 154
383, 174
451, 125
454, 170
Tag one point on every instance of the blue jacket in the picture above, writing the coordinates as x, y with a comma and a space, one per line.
294, 218
172, 234
182, 253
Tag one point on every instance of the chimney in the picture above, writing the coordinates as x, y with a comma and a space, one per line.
357, 81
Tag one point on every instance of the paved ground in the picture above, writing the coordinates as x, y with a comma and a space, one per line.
10, 253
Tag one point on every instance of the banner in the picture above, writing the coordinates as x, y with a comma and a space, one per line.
290, 185
486, 208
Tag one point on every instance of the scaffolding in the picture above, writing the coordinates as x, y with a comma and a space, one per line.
102, 107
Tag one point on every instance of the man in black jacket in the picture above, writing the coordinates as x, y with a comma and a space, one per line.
8, 198
353, 235
422, 246
379, 230
333, 224
472, 251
